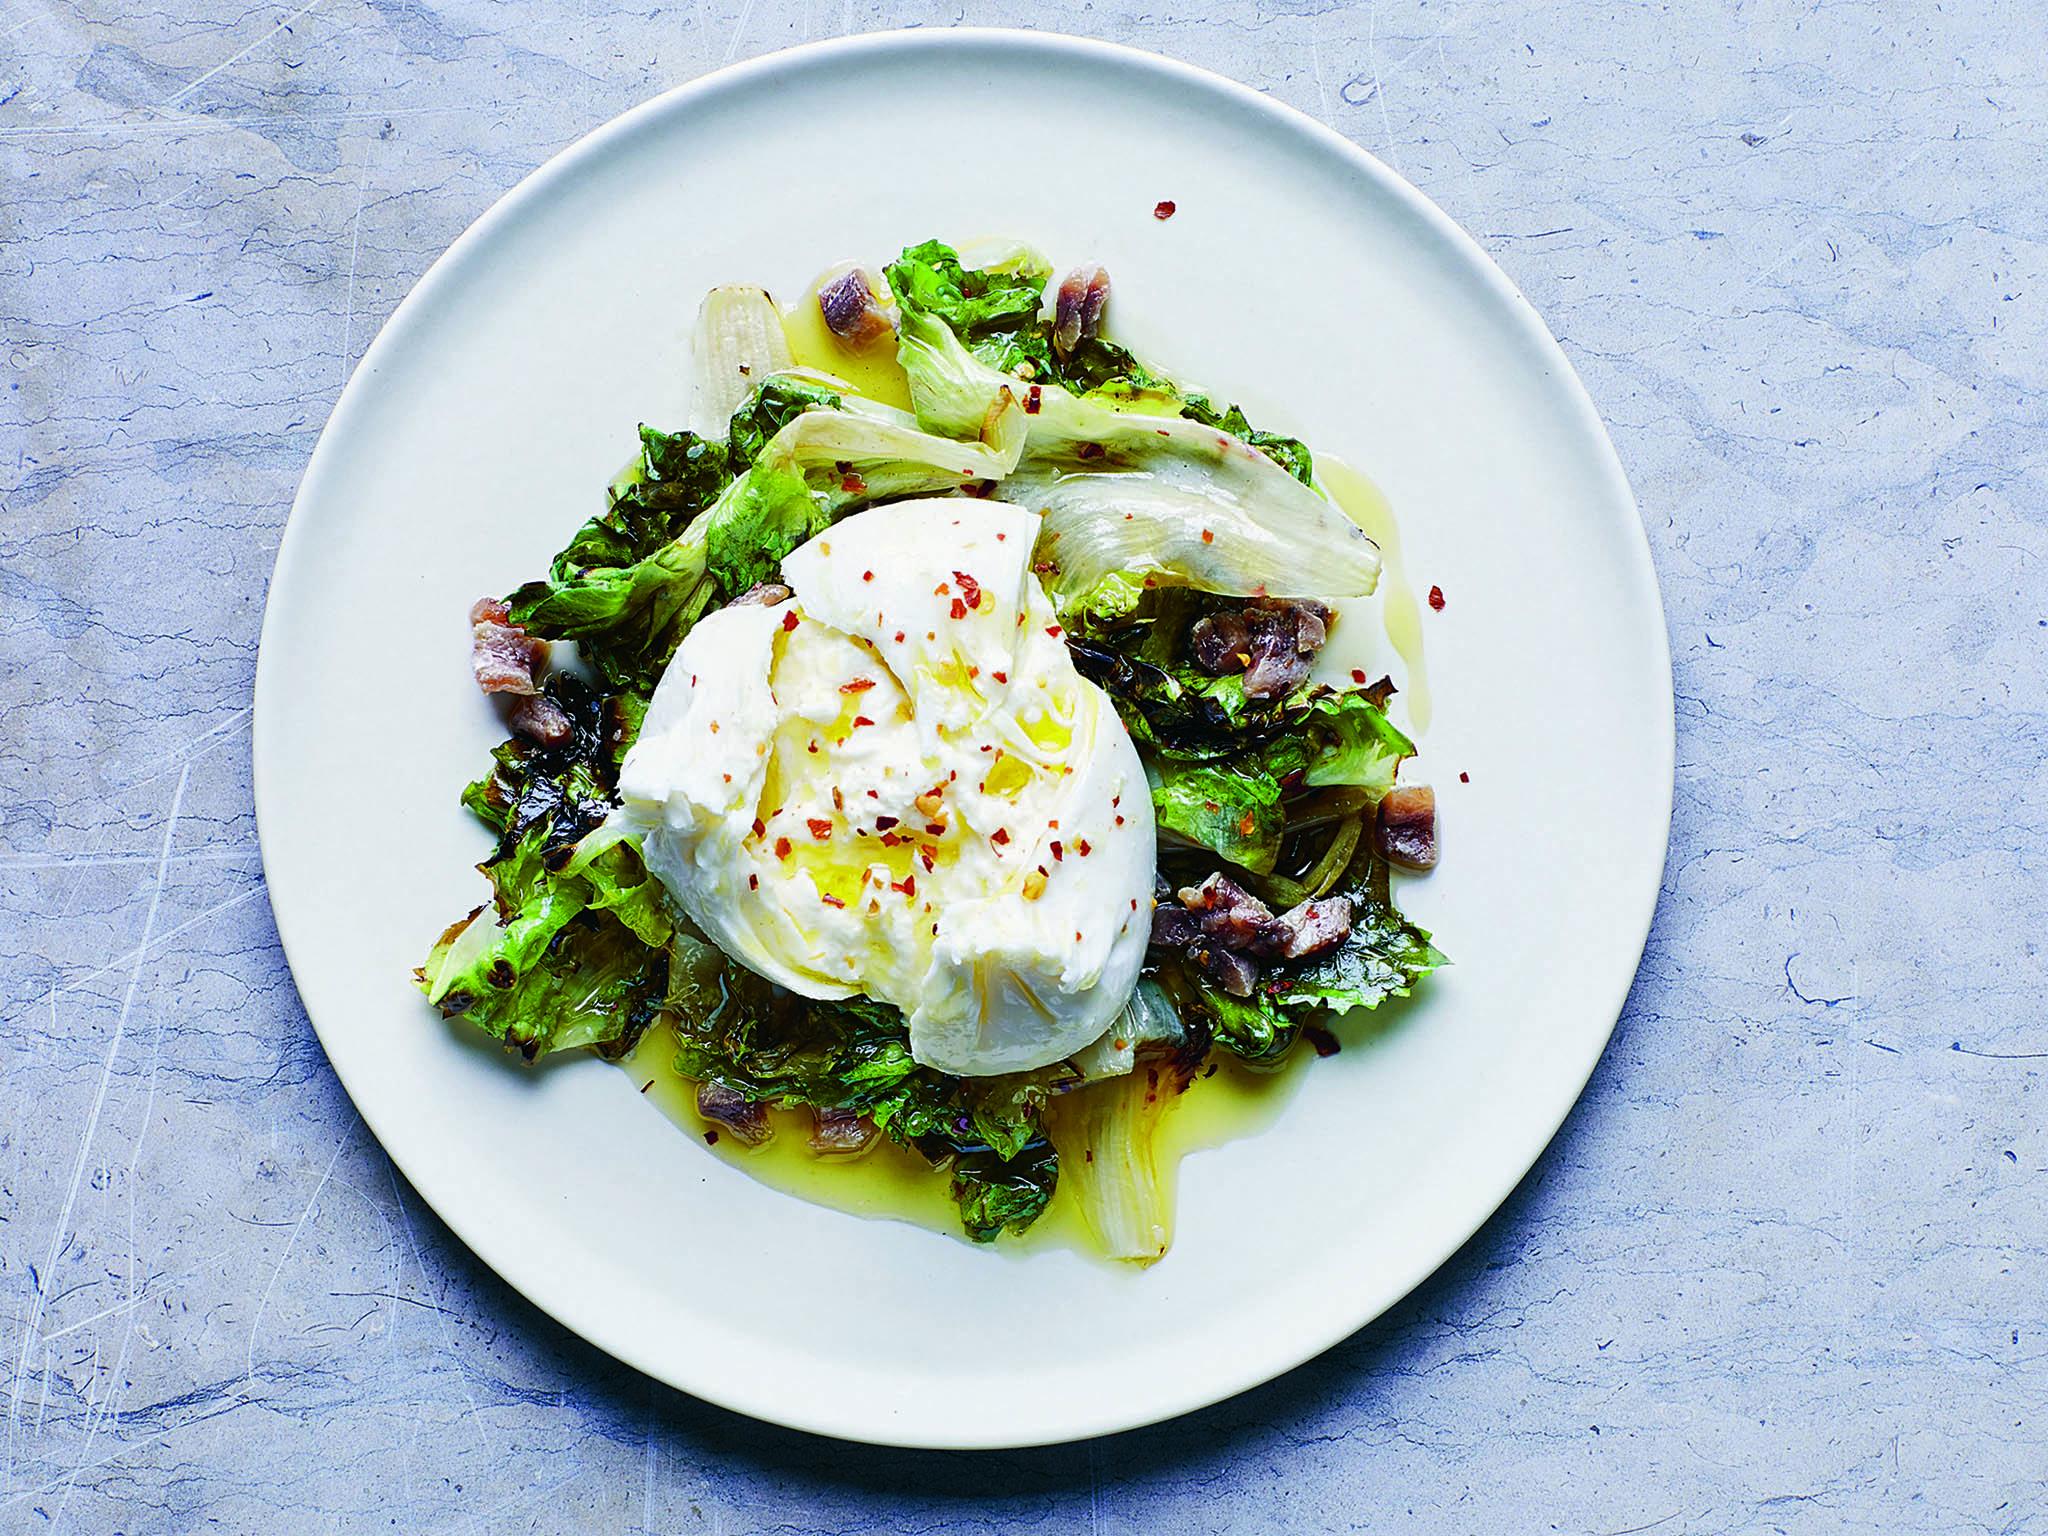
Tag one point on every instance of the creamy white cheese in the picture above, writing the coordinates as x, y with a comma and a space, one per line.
896, 784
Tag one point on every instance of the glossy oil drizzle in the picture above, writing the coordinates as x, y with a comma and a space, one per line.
872, 371
1401, 614
893, 1183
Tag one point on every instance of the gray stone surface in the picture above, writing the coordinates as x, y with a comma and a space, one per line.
1786, 1269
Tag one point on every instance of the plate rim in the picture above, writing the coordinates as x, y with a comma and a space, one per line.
1341, 1321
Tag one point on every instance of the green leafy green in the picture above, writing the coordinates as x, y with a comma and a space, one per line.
770, 1046
998, 1195
629, 585
984, 305
771, 407
762, 517
1290, 453
1235, 806
1384, 956
572, 948
996, 313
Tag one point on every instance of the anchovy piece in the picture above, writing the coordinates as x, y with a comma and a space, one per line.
851, 312
1405, 832
731, 1111
1077, 313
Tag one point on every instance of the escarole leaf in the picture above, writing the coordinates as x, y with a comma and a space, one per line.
694, 522
628, 586
997, 310
737, 1030
1107, 1134
571, 949
1384, 956
1129, 498
825, 463
994, 303
998, 1195
1180, 505
1237, 807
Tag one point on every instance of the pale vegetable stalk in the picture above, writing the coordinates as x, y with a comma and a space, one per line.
1130, 497
1106, 1133
739, 342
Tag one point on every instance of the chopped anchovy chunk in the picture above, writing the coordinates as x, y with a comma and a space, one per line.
1174, 926
541, 719
1227, 912
851, 312
840, 1132
1405, 833
504, 657
1226, 967
1286, 635
732, 1111
1077, 315
1221, 643
1314, 927
767, 594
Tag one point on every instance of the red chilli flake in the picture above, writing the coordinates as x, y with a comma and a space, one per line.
925, 857
858, 685
1001, 677
1436, 598
1464, 778
782, 846
1058, 853
1031, 400
969, 588
899, 637
853, 485
884, 823
759, 826
867, 575
821, 828
832, 901
1081, 847
1208, 537
1000, 835
958, 610
753, 882
1089, 451
789, 620
710, 1137
1054, 630
1358, 677
860, 720
1163, 210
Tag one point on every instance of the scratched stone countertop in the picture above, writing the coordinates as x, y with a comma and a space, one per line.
1786, 1267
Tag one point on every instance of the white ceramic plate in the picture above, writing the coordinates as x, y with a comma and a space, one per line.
1300, 277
